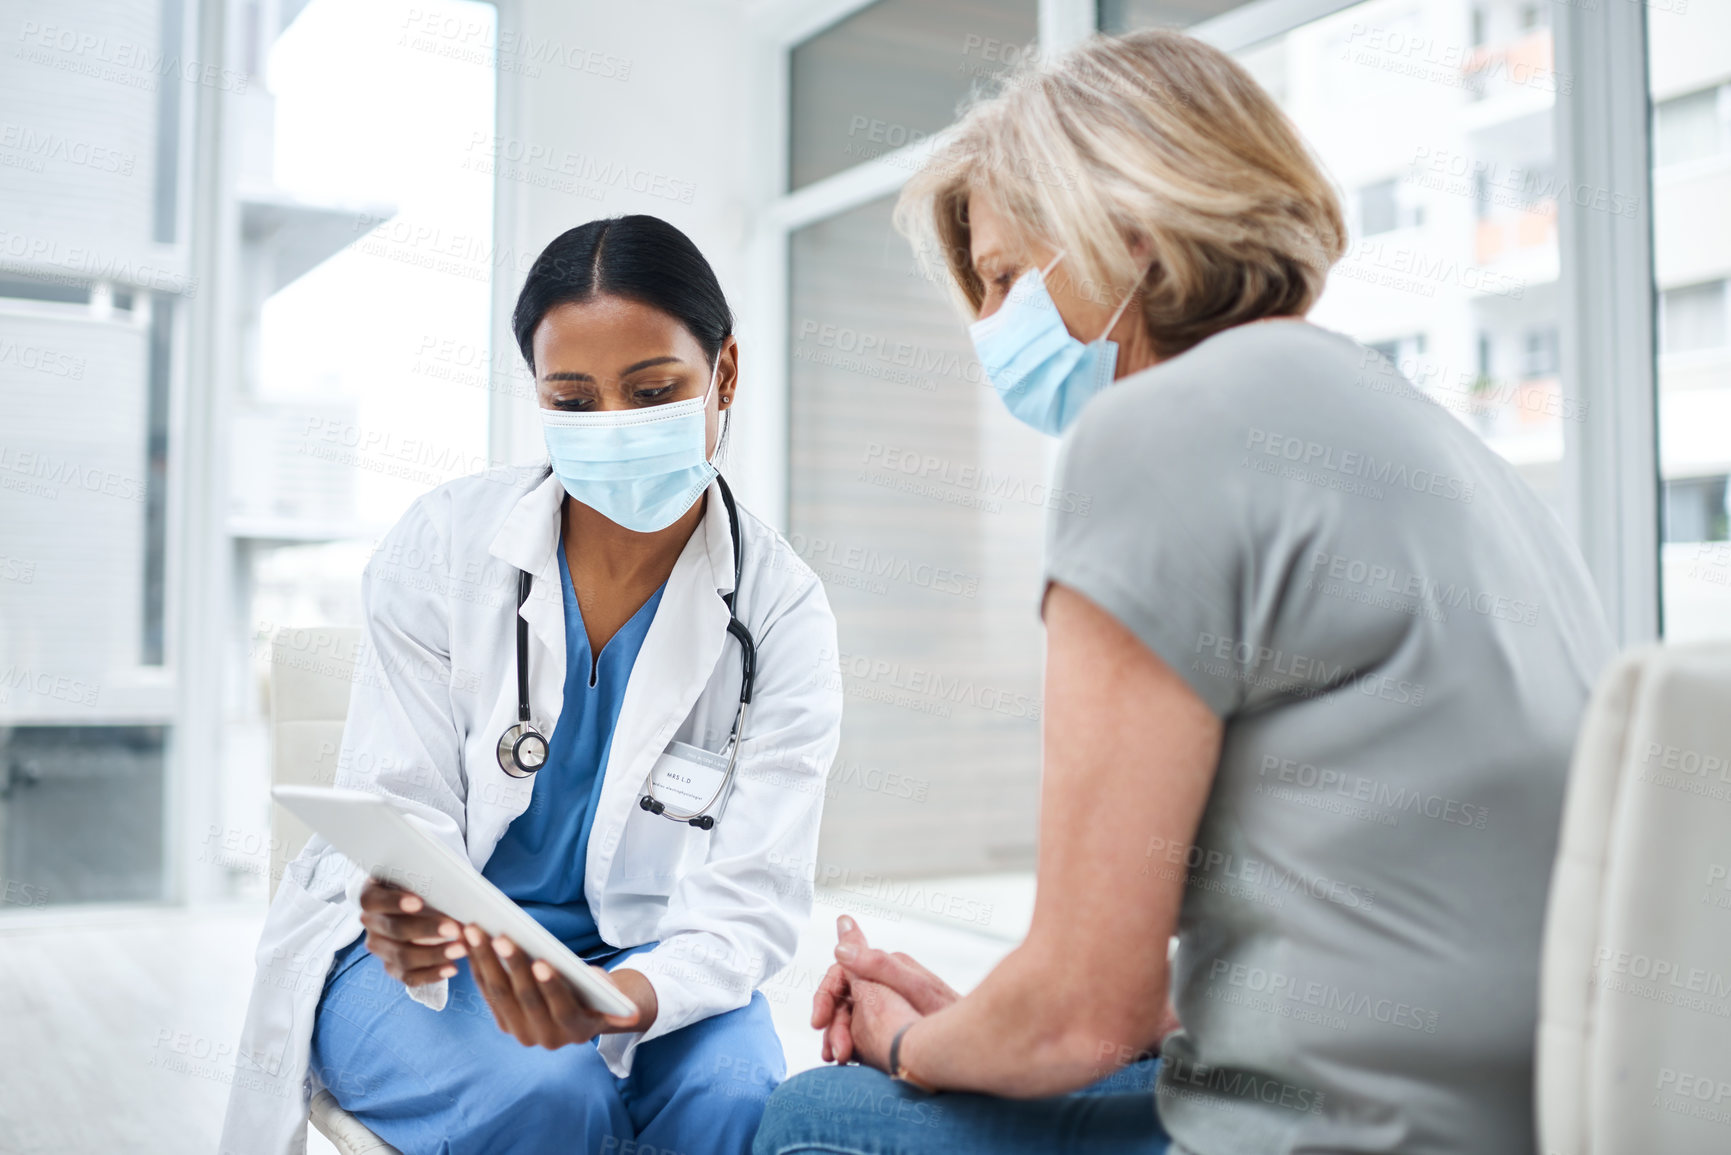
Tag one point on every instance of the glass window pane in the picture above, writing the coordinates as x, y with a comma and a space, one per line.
892, 73
1695, 509
1691, 127
91, 305
1689, 61
368, 364
1123, 15
920, 503
1434, 117
82, 811
1376, 208
1692, 318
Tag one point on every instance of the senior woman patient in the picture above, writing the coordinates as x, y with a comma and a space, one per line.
1315, 659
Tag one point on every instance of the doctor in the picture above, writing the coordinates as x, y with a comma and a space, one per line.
615, 692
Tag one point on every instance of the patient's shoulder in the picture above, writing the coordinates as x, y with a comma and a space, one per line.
1267, 367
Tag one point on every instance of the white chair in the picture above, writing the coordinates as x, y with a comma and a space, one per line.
310, 674
1634, 1043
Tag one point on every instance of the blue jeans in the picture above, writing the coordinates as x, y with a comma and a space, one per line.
859, 1111
451, 1082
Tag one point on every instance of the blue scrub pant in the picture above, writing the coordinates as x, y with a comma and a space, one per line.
859, 1111
451, 1082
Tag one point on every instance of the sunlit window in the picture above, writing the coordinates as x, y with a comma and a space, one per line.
1692, 127
1435, 120
1689, 61
371, 364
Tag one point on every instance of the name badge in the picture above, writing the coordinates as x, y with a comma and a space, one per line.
687, 777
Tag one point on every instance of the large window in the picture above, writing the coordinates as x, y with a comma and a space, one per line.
228, 361
371, 374
95, 283
1689, 62
1437, 119
1119, 15
1434, 117
892, 74
920, 502
1439, 122
1695, 126
912, 493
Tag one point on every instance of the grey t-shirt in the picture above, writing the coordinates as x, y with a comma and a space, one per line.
1400, 640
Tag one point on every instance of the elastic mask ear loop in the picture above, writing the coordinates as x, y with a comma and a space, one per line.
1119, 312
1044, 273
1116, 313
714, 376
1107, 367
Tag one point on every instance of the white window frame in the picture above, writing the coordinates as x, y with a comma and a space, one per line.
778, 27
1606, 326
1607, 329
510, 424
199, 571
197, 576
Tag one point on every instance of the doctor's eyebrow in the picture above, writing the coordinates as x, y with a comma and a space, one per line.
625, 372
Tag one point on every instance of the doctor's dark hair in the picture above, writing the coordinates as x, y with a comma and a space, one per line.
641, 258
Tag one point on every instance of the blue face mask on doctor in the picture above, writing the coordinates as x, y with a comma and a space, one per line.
1043, 374
640, 468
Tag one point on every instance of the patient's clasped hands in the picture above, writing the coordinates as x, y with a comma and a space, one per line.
869, 995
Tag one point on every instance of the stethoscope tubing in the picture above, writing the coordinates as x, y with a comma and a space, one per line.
513, 741
727, 777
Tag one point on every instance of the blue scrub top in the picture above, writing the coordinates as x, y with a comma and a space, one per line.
540, 860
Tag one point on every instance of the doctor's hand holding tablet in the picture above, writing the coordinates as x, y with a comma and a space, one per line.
530, 1001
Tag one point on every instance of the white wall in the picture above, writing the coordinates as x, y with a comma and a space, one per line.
653, 94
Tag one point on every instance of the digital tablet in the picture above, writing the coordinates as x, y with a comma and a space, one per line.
379, 838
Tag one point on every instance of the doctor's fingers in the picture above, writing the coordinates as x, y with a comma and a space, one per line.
416, 965
495, 984
576, 1022
397, 913
418, 929
381, 897
537, 1020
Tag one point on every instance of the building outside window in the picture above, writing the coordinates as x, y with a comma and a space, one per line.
1461, 244
1689, 69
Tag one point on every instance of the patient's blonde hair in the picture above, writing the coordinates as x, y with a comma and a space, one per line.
1153, 138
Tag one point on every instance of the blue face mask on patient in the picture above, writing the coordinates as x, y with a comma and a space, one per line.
639, 468
1043, 374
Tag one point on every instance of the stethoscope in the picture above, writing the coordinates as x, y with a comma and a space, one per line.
523, 749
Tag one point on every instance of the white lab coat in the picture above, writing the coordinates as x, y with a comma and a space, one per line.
435, 686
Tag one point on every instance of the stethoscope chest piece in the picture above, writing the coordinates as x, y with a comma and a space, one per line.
522, 750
